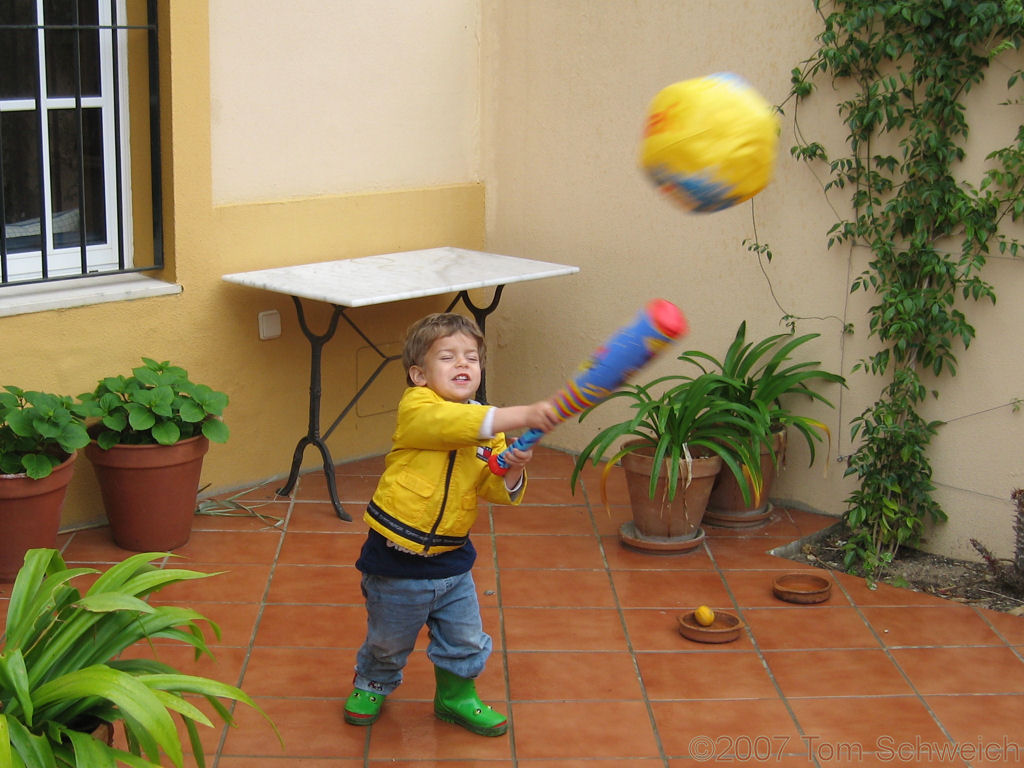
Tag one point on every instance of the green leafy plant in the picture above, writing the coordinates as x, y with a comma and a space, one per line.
38, 431
689, 418
909, 68
762, 376
157, 404
60, 676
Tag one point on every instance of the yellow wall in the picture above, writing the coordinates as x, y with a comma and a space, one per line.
211, 327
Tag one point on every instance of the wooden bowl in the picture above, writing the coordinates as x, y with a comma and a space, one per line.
724, 629
803, 588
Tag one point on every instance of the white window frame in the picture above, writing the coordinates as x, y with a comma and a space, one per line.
26, 289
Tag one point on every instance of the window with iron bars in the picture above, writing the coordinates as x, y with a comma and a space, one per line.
79, 140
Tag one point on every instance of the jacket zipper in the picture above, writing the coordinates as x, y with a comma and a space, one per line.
444, 501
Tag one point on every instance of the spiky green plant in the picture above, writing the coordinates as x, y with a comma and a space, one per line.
1009, 572
60, 673
687, 417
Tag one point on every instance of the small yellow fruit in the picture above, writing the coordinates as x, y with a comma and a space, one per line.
704, 616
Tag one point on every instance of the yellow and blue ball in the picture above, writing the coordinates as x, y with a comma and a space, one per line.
710, 142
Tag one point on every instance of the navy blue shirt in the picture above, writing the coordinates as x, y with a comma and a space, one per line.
378, 559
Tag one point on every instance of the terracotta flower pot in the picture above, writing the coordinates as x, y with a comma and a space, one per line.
149, 491
659, 524
30, 514
726, 507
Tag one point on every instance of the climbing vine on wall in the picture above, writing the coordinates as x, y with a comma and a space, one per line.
908, 66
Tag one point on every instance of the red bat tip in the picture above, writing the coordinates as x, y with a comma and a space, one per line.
667, 318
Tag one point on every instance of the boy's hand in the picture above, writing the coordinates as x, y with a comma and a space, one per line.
542, 415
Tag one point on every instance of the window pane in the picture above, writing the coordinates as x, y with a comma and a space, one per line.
19, 137
60, 47
18, 53
67, 163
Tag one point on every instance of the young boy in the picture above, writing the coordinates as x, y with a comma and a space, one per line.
417, 558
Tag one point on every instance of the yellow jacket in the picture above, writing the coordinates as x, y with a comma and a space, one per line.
426, 500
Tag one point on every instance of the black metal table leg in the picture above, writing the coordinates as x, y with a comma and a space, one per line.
317, 342
312, 436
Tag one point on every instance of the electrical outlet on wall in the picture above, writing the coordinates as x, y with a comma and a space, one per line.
269, 324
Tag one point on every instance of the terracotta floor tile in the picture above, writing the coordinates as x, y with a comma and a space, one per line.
230, 547
237, 582
847, 672
583, 630
991, 722
225, 664
534, 519
809, 626
288, 762
548, 463
737, 553
540, 490
657, 629
354, 490
311, 728
612, 729
95, 545
609, 521
914, 625
263, 515
779, 524
523, 551
550, 589
236, 621
622, 558
883, 594
408, 730
965, 670
299, 672
856, 726
615, 485
710, 729
683, 590
809, 522
333, 584
690, 675
564, 629
320, 517
569, 675
321, 548
1009, 628
753, 589
318, 626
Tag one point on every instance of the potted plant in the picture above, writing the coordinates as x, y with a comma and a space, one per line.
40, 435
762, 375
150, 434
678, 438
61, 678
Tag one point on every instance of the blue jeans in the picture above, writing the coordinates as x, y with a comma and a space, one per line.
396, 611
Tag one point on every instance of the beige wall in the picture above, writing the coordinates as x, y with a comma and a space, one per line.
566, 90
314, 98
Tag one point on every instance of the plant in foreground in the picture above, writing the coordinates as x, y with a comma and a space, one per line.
61, 678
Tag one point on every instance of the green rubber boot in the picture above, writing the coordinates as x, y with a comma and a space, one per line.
455, 701
363, 707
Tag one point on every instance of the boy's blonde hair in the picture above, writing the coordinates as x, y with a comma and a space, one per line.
423, 333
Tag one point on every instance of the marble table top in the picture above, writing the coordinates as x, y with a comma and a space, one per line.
396, 276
